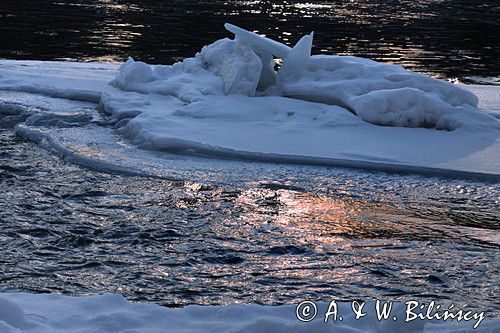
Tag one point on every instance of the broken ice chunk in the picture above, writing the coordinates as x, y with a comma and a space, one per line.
260, 44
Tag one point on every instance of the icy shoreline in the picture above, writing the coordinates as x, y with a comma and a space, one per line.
228, 102
21, 312
36, 86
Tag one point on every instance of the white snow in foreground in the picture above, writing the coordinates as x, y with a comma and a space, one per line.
228, 101
21, 312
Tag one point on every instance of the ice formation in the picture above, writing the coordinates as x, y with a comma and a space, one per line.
378, 93
229, 101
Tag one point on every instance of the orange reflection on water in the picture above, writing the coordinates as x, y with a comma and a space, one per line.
315, 219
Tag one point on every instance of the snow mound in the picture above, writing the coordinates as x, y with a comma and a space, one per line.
20, 312
380, 94
224, 67
132, 74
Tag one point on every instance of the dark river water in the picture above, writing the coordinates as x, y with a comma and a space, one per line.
232, 231
281, 235
452, 39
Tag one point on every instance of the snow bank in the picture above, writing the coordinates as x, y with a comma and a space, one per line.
21, 312
226, 102
378, 93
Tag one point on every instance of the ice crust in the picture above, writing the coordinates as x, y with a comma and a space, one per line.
229, 101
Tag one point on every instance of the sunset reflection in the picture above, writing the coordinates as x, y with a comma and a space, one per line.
314, 219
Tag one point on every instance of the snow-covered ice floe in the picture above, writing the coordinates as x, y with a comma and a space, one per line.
20, 312
229, 101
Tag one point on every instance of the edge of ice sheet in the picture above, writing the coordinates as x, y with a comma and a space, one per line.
287, 130
22, 312
45, 141
95, 163
224, 153
69, 80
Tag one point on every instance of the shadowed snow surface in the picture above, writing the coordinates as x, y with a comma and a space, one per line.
112, 313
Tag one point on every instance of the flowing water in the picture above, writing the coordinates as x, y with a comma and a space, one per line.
278, 235
238, 231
